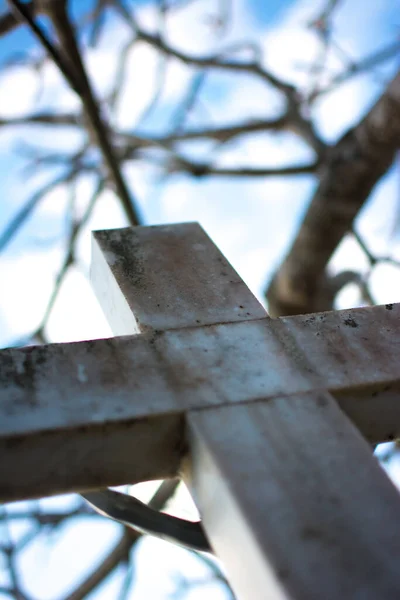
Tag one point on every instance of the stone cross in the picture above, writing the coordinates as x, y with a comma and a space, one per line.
269, 421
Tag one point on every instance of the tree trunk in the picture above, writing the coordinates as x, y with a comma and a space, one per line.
348, 174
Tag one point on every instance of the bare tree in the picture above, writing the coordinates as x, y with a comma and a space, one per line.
167, 143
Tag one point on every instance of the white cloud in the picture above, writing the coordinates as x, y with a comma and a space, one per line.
77, 314
25, 284
266, 150
385, 283
86, 540
139, 84
359, 29
18, 87
377, 218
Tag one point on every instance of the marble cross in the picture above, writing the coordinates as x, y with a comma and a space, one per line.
269, 421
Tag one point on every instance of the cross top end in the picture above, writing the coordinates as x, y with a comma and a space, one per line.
171, 276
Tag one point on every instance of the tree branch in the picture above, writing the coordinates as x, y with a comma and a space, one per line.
70, 63
9, 21
351, 169
204, 170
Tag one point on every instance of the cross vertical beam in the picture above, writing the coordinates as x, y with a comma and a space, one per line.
291, 497
293, 501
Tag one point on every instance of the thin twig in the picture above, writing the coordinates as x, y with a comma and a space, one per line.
74, 71
204, 170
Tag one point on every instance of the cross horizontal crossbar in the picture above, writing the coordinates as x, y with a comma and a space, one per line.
247, 408
77, 415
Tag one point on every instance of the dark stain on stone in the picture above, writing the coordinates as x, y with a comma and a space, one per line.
321, 401
311, 533
350, 322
